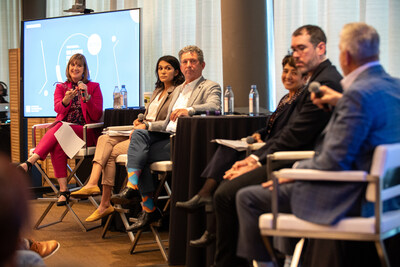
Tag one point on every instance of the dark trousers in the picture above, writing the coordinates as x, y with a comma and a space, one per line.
227, 221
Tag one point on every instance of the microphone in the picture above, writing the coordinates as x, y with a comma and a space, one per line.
140, 117
250, 140
314, 88
82, 93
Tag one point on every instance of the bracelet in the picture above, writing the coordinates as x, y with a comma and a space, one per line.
146, 124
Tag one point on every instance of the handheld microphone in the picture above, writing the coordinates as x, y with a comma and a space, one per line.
250, 140
314, 88
140, 117
82, 92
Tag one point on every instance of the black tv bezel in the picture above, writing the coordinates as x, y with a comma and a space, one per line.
22, 91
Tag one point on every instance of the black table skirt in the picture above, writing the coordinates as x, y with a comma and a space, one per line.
118, 117
192, 152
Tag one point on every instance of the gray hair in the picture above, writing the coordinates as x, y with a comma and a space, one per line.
192, 49
361, 41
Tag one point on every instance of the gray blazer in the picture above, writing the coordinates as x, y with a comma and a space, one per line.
366, 116
206, 95
162, 109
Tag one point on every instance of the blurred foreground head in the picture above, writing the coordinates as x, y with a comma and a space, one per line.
14, 211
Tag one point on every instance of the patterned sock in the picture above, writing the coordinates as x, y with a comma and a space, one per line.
147, 203
133, 178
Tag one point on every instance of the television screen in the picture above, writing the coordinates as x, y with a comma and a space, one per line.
110, 42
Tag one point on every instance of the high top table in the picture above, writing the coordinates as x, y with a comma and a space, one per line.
191, 153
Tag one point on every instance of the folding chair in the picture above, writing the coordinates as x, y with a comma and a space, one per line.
80, 156
377, 228
163, 169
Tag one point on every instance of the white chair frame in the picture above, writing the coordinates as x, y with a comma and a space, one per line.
82, 153
376, 228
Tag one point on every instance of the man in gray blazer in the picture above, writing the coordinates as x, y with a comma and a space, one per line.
366, 115
152, 144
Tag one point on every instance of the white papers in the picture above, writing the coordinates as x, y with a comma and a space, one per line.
239, 145
118, 130
68, 140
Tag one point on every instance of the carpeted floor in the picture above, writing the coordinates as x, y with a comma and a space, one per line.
80, 248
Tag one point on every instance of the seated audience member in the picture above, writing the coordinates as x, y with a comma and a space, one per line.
195, 95
109, 148
72, 107
366, 115
3, 93
299, 133
294, 82
14, 219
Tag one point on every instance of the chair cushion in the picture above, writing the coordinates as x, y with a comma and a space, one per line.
122, 159
161, 166
389, 220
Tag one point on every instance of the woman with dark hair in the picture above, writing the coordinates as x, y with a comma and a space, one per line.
224, 157
71, 106
169, 76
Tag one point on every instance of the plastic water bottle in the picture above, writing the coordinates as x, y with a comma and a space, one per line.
124, 97
229, 101
253, 101
117, 98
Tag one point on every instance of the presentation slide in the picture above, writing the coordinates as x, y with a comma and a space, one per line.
110, 42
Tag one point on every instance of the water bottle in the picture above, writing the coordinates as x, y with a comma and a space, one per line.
117, 98
124, 97
253, 101
229, 101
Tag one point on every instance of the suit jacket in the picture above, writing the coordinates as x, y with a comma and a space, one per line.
162, 109
366, 116
92, 110
206, 95
306, 121
280, 120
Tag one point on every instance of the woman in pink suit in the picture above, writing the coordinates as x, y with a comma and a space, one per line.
78, 101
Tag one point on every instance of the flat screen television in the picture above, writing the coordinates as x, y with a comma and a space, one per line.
110, 42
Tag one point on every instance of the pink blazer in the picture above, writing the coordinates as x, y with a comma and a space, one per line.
92, 110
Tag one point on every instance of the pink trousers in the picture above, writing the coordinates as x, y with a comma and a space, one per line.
49, 144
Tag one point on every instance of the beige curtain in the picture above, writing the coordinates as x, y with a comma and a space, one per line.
384, 15
10, 17
167, 26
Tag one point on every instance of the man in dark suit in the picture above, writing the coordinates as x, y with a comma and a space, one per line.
302, 129
366, 115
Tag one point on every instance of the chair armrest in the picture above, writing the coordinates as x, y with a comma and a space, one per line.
90, 126
39, 126
292, 155
94, 125
317, 175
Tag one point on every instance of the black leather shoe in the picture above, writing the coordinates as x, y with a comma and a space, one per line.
205, 240
124, 196
145, 220
194, 203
